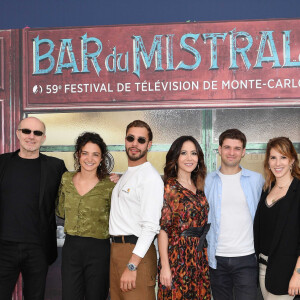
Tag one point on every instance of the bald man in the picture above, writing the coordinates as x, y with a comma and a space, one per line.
29, 182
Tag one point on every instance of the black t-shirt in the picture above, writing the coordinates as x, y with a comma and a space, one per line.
268, 221
19, 200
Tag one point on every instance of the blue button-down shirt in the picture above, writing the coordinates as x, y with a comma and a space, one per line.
251, 183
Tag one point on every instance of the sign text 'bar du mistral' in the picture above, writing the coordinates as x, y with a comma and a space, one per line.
240, 63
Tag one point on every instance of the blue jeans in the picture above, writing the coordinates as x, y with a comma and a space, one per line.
234, 276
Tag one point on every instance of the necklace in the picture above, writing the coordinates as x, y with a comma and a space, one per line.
284, 186
274, 200
184, 182
187, 185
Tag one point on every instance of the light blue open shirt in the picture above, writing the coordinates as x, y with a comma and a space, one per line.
251, 183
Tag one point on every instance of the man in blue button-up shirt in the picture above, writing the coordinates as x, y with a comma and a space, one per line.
233, 194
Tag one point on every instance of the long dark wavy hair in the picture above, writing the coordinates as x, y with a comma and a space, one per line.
171, 168
94, 138
284, 146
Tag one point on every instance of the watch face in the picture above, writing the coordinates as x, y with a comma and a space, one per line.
131, 267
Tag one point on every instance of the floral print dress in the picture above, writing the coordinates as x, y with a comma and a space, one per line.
183, 209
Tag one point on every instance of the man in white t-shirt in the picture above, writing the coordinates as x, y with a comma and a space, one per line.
136, 205
233, 194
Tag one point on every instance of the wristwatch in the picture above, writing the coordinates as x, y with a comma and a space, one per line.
297, 270
131, 267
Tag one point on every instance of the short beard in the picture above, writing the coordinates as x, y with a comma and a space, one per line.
136, 158
233, 164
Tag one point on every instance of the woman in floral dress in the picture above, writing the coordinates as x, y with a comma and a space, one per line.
183, 265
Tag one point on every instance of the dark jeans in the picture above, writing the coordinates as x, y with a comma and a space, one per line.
85, 268
234, 276
27, 259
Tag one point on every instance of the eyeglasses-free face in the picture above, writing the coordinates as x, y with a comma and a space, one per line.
131, 138
28, 131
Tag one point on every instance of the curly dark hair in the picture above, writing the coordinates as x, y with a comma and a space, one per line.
94, 138
171, 168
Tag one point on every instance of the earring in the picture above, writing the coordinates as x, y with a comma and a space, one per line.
291, 167
175, 168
